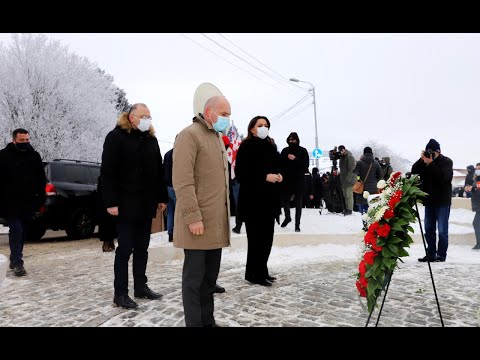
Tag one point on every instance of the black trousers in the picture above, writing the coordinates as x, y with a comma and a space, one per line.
200, 273
133, 236
298, 204
260, 240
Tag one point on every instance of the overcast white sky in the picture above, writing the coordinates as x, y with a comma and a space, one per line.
398, 89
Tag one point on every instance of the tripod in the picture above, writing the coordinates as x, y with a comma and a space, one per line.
391, 274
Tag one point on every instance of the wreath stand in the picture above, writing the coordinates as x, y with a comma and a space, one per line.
391, 274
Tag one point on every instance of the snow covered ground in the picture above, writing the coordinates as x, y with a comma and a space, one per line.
333, 237
3, 229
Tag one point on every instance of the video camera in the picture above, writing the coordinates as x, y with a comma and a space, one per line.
334, 154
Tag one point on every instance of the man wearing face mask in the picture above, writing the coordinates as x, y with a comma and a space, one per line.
23, 192
293, 165
133, 187
474, 189
436, 172
202, 213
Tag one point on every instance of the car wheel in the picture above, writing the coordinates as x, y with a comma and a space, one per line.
81, 225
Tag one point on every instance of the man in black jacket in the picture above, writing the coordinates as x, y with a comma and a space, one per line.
22, 185
474, 189
436, 172
469, 179
293, 165
133, 187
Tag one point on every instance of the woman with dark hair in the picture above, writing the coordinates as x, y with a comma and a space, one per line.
257, 171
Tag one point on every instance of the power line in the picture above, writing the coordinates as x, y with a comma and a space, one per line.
238, 67
291, 116
278, 116
254, 58
239, 57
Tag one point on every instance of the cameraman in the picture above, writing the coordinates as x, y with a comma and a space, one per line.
436, 172
347, 178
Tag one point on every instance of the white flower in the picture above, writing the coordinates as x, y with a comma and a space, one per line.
366, 194
365, 217
381, 184
380, 213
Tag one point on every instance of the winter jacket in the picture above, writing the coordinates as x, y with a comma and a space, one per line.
370, 184
132, 172
476, 194
470, 176
387, 169
201, 184
22, 181
436, 180
168, 165
257, 198
293, 170
347, 164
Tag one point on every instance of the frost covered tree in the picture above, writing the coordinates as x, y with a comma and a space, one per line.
66, 102
398, 162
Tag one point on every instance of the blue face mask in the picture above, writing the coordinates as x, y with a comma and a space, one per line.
222, 123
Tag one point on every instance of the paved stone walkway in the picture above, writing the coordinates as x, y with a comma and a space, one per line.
69, 283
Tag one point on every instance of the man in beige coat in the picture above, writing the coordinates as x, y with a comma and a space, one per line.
202, 213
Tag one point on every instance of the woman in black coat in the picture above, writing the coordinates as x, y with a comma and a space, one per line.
257, 171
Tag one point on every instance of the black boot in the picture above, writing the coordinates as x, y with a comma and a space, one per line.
147, 293
286, 222
125, 302
219, 289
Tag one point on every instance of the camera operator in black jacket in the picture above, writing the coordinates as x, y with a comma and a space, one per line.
436, 172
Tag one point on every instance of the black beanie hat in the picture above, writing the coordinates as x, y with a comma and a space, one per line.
368, 150
433, 145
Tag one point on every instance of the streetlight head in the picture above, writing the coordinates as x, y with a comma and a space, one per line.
294, 80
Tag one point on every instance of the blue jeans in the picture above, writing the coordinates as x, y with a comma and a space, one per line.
16, 238
362, 209
236, 190
172, 201
434, 215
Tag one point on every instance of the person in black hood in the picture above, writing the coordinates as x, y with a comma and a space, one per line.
436, 172
474, 189
469, 179
293, 165
23, 192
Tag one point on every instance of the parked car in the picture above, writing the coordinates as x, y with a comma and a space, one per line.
71, 199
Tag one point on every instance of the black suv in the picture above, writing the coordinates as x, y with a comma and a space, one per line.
71, 203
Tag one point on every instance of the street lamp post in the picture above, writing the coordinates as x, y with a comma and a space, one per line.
315, 113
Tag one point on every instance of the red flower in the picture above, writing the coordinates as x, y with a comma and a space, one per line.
395, 177
362, 268
389, 214
370, 238
384, 230
363, 281
361, 290
369, 257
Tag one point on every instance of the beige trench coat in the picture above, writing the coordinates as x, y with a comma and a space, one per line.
201, 183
